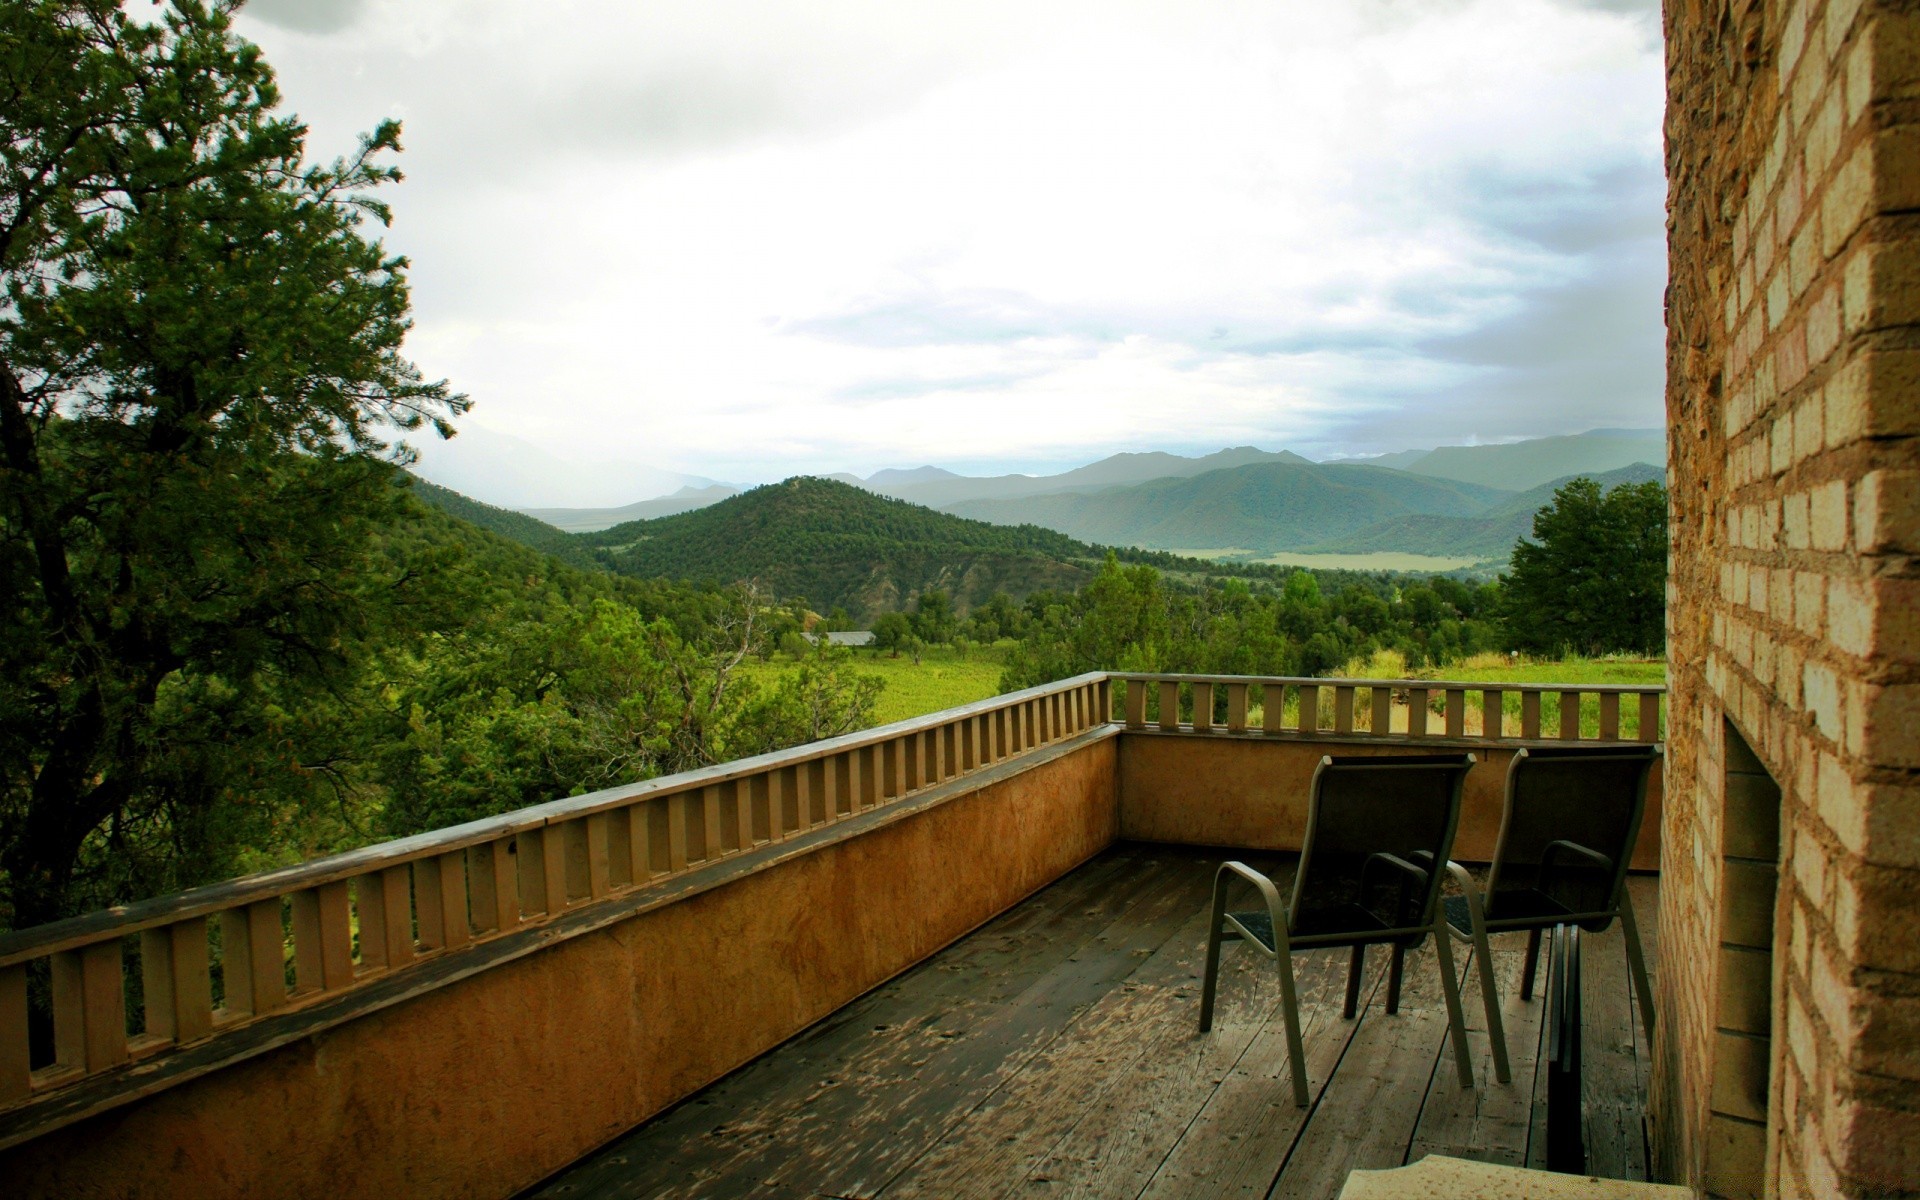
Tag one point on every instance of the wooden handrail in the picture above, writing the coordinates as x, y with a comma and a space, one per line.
313, 931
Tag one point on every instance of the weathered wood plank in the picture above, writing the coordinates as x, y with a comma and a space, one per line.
1369, 1108
1489, 1122
1611, 1101
1239, 1140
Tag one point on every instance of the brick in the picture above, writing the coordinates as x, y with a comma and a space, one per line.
1876, 617
1823, 329
1848, 199
1746, 903
1740, 1075
1886, 512
1827, 513
1837, 802
1890, 726
1736, 1153
1794, 521
1871, 912
1809, 602
1893, 46
1745, 999
1877, 1147
1821, 689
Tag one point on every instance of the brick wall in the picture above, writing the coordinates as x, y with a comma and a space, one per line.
1793, 393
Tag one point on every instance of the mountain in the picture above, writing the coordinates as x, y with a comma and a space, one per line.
1488, 536
839, 545
587, 520
1257, 509
505, 522
1518, 466
942, 489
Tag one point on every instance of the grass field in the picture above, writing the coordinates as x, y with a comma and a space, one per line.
942, 679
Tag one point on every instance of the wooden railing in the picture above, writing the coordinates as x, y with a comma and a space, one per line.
132, 983
1397, 708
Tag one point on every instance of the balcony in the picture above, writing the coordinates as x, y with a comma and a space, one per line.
970, 941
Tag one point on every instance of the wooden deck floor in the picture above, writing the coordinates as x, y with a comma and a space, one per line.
1054, 1053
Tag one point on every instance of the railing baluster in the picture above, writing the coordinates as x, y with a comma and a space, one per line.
1609, 716
1136, 704
1416, 712
677, 832
386, 919
1310, 708
1530, 714
1493, 713
1273, 707
599, 855
712, 843
1203, 708
1169, 704
322, 938
1236, 708
1382, 708
780, 800
89, 1008
16, 1067
440, 899
1456, 712
1343, 709
253, 955
176, 985
1649, 730
742, 808
495, 883
620, 873
1570, 716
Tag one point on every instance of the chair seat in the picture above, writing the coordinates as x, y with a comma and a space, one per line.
1521, 906
1338, 924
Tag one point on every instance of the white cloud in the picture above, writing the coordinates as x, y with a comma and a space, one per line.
743, 240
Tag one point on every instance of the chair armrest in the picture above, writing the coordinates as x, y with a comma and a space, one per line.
1276, 911
1409, 874
1476, 910
1575, 848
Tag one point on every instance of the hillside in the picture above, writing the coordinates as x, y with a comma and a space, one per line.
514, 526
839, 545
1259, 508
1518, 466
1488, 536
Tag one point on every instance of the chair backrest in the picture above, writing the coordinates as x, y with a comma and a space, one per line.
1592, 796
1405, 805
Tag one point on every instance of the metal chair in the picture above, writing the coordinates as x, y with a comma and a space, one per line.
1378, 830
1571, 819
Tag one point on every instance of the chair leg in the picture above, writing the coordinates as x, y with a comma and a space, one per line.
1290, 1015
1396, 966
1456, 1023
1637, 963
1533, 962
1490, 998
1353, 982
1207, 986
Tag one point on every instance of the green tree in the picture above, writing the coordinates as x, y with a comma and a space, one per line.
199, 372
891, 632
1594, 578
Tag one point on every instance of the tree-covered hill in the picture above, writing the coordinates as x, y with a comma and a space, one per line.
842, 546
511, 525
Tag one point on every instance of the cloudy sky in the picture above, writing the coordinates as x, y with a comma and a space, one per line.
742, 239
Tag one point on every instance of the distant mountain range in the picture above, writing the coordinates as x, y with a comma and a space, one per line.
1256, 509
1460, 502
587, 520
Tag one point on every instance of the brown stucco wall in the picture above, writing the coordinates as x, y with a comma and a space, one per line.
1793, 394
488, 1084
1251, 791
